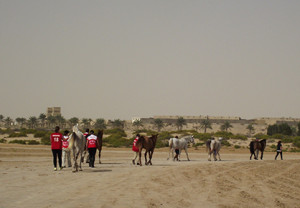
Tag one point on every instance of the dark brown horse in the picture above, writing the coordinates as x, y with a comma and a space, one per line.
147, 143
256, 146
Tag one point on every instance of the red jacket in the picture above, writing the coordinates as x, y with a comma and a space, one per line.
92, 139
134, 147
56, 140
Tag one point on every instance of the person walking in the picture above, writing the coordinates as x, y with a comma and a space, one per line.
56, 147
135, 149
66, 153
91, 145
279, 150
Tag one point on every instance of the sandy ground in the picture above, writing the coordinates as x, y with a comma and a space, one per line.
28, 180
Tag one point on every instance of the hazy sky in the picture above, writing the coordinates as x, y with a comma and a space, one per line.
120, 59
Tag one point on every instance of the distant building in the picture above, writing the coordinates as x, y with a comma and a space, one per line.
53, 111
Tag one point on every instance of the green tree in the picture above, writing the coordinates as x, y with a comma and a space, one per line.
51, 120
251, 129
32, 122
117, 123
8, 121
21, 121
205, 124
73, 121
60, 121
42, 119
226, 126
137, 124
158, 123
298, 129
100, 123
1, 117
85, 122
180, 122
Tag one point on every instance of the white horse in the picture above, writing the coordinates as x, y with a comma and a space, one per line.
77, 145
213, 145
175, 143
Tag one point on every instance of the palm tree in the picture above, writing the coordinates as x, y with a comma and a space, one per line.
158, 123
205, 124
137, 124
73, 121
226, 126
8, 122
42, 118
21, 121
1, 117
32, 122
180, 122
250, 129
85, 122
60, 121
118, 124
100, 124
51, 121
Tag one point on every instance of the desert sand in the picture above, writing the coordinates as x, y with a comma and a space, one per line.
28, 180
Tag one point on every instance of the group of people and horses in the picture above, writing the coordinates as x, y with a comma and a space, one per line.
81, 143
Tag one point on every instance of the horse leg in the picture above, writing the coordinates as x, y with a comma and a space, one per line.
261, 155
150, 157
219, 155
209, 155
256, 155
185, 149
80, 161
215, 155
74, 160
99, 156
146, 163
140, 156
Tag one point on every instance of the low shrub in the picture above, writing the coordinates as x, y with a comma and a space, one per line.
115, 131
239, 136
224, 134
46, 139
18, 141
202, 136
116, 140
39, 134
3, 140
15, 134
225, 143
28, 131
237, 146
33, 142
6, 131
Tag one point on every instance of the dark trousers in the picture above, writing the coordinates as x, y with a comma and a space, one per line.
56, 153
92, 153
278, 154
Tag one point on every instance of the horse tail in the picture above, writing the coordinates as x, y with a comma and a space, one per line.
140, 141
252, 147
263, 144
100, 136
208, 145
171, 143
71, 141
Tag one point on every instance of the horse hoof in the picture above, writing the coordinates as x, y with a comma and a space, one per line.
133, 162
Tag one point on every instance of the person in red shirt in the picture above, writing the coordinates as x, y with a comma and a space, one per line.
56, 147
66, 153
91, 145
135, 149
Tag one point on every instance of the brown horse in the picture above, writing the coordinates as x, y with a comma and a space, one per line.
256, 146
147, 143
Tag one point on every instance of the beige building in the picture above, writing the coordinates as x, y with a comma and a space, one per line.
53, 111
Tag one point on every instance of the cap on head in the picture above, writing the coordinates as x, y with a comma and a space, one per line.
66, 132
92, 131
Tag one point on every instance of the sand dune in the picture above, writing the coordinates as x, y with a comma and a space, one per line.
28, 180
